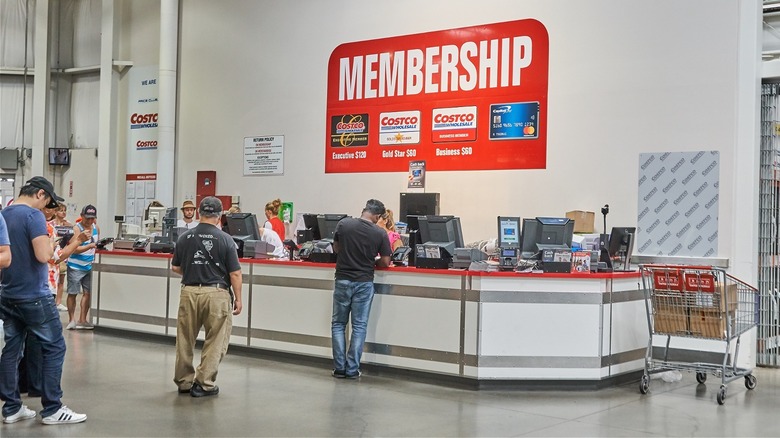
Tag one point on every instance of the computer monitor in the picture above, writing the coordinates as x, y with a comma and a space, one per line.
442, 230
154, 218
412, 223
311, 223
508, 232
169, 224
418, 204
327, 225
243, 224
621, 244
546, 232
528, 246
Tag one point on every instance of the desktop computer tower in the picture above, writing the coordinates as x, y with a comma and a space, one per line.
421, 204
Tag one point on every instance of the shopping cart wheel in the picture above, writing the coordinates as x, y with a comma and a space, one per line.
701, 377
644, 384
750, 381
722, 395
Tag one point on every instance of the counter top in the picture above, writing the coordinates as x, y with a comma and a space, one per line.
403, 269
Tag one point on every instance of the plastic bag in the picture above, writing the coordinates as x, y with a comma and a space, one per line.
671, 376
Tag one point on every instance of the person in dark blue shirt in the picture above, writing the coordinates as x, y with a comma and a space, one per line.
27, 307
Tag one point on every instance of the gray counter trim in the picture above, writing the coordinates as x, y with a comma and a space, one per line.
402, 351
689, 356
624, 296
131, 270
623, 357
412, 353
301, 283
293, 338
541, 297
539, 362
418, 292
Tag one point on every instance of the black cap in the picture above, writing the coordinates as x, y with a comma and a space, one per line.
374, 206
40, 182
89, 212
210, 206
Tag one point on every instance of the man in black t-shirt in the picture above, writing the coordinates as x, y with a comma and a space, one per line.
207, 260
357, 242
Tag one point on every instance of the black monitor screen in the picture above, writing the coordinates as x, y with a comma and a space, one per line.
508, 232
59, 156
243, 224
418, 204
441, 229
327, 224
620, 241
554, 231
547, 232
310, 222
412, 222
528, 237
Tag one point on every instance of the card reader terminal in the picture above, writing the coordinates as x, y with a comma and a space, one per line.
508, 259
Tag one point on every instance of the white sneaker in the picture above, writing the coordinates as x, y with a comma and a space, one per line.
71, 325
64, 416
85, 326
22, 414
62, 308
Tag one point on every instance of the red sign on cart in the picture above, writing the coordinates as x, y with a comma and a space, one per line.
473, 98
668, 280
699, 282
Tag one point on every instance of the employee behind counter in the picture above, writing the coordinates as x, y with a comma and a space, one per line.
245, 225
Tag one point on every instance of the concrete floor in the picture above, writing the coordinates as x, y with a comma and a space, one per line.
124, 386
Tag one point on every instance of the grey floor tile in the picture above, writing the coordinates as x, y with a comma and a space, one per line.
126, 388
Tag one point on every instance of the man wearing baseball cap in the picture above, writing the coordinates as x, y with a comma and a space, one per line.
188, 212
80, 270
207, 261
41, 183
27, 307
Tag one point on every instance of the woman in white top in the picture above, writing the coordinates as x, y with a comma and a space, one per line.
270, 236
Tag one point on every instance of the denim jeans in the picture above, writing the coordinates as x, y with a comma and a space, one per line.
350, 297
39, 318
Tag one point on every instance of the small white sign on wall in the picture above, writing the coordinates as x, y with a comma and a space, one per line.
264, 155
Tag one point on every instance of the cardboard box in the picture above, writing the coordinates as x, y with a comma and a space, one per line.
718, 300
583, 220
709, 323
670, 314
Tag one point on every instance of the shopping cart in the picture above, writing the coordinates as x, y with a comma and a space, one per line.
697, 302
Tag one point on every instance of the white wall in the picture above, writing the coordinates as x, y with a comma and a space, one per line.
625, 77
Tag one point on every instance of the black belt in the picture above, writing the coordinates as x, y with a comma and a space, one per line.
217, 285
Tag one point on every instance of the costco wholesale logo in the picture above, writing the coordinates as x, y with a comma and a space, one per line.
349, 130
145, 145
454, 124
399, 128
142, 121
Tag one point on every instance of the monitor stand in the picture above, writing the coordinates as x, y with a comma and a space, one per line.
624, 256
604, 256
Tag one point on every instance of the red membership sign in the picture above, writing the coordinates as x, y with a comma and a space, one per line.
473, 98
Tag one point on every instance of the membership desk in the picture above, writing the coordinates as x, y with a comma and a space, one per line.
477, 328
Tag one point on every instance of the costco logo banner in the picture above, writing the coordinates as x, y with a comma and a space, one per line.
472, 98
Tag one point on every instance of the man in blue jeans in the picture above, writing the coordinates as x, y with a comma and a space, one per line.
357, 243
27, 307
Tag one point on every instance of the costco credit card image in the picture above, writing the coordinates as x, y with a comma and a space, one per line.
514, 121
